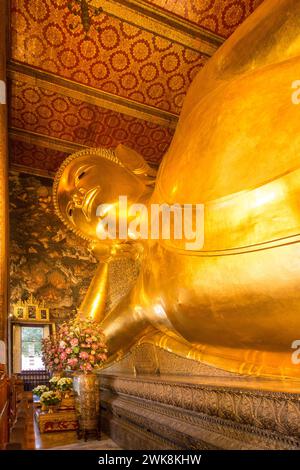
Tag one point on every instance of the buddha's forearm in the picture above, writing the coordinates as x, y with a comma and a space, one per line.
93, 304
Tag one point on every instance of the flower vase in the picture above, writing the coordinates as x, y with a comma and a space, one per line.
87, 404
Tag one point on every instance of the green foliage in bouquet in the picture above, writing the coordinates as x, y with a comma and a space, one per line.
64, 384
50, 398
40, 389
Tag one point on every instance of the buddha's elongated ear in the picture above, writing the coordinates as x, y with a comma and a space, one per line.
134, 162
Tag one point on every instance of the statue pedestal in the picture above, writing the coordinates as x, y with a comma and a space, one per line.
154, 399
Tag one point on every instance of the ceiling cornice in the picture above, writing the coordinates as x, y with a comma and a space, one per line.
40, 140
35, 77
162, 23
31, 171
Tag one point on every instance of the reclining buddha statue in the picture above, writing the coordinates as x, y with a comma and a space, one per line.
233, 302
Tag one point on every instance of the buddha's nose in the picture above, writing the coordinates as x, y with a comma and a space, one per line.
78, 198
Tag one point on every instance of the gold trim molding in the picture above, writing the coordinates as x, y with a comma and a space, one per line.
51, 82
162, 23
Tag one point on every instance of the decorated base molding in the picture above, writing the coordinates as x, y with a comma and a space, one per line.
153, 399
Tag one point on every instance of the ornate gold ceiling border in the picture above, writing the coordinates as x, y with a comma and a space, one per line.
162, 23
41, 140
27, 74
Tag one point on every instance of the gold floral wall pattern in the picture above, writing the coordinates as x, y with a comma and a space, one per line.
46, 259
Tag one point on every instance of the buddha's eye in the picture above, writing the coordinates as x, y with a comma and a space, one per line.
82, 173
70, 209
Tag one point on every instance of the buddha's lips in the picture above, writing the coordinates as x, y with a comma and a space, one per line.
88, 202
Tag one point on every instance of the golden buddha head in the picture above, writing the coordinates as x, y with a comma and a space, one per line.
87, 180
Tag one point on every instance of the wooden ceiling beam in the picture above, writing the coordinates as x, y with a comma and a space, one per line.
49, 81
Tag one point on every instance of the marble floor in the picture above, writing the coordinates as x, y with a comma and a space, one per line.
67, 440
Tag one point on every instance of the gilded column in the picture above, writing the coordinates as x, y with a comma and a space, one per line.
3, 176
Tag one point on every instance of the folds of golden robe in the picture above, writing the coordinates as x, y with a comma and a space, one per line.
235, 303
237, 150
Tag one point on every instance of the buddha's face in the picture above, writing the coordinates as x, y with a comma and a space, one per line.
88, 182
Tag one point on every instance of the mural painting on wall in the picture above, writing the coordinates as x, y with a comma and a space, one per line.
46, 260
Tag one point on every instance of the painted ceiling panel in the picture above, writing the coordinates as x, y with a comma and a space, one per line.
221, 17
119, 58
38, 110
32, 156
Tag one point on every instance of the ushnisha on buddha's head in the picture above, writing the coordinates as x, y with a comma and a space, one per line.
89, 179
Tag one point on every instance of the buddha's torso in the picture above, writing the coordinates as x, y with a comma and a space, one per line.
237, 151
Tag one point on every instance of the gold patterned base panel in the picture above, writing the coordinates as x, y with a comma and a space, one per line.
56, 421
153, 399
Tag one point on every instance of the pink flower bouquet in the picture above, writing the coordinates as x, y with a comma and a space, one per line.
51, 356
78, 345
